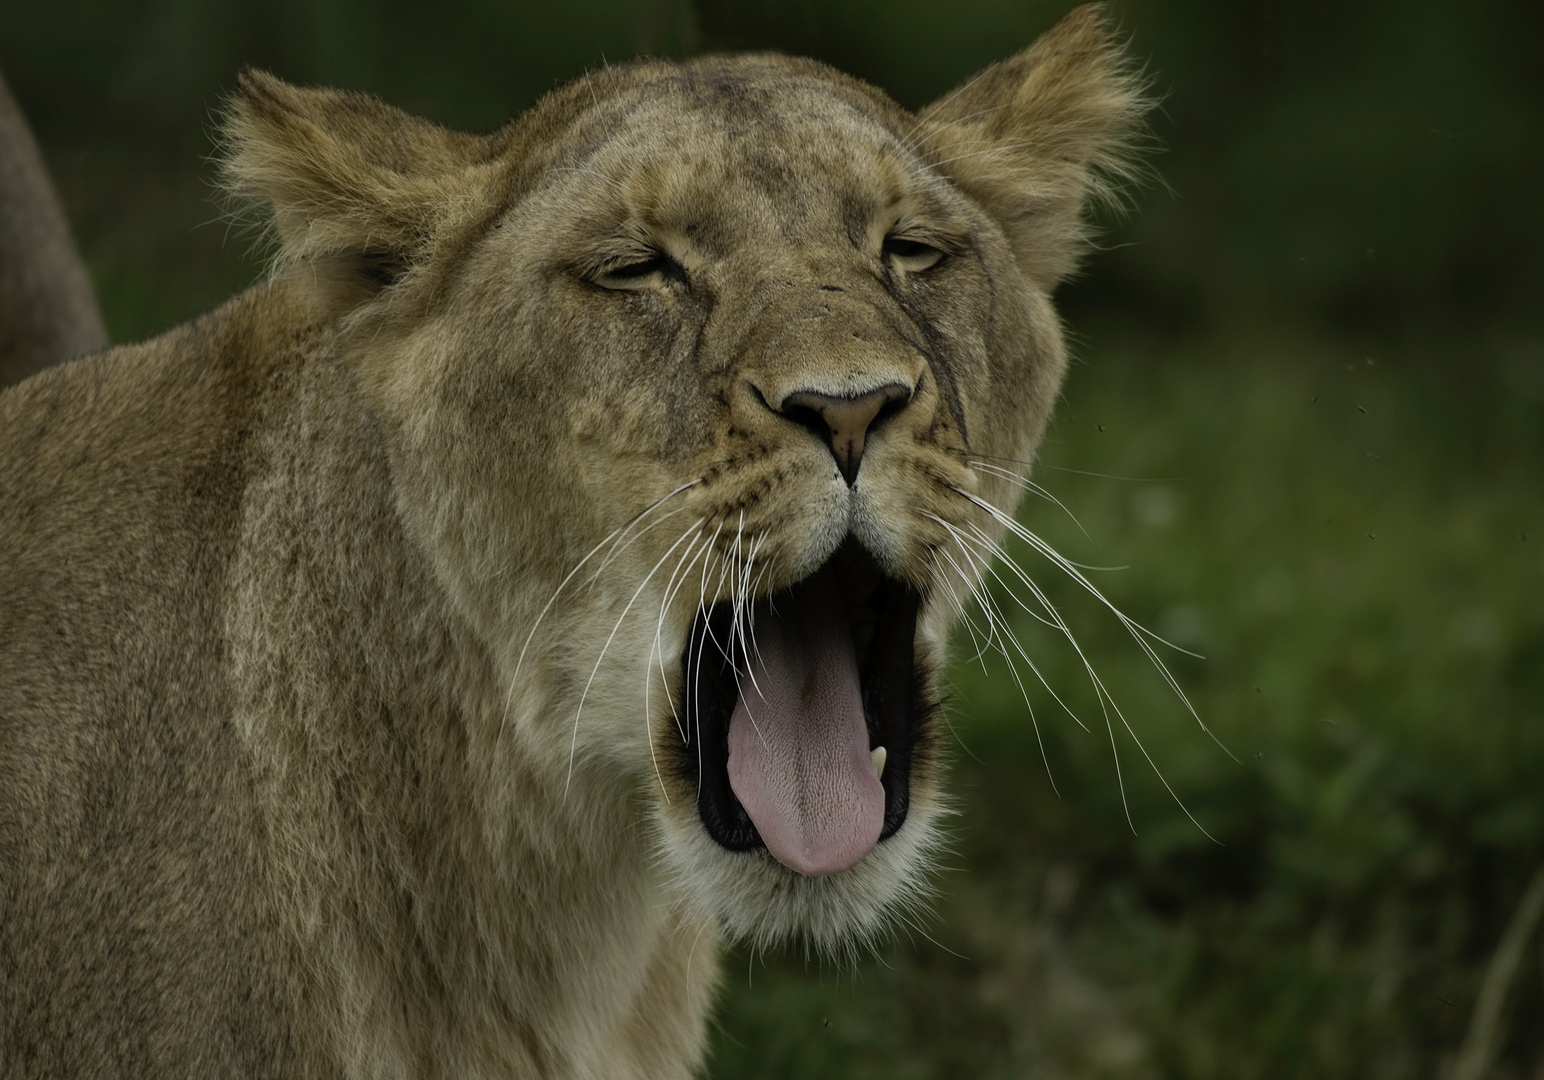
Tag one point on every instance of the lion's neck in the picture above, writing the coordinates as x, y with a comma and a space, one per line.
427, 866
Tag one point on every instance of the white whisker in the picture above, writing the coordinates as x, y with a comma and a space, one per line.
658, 649
707, 632
620, 545
959, 607
983, 646
741, 621
1028, 485
1136, 629
755, 591
996, 549
1005, 635
574, 743
1106, 701
673, 586
609, 538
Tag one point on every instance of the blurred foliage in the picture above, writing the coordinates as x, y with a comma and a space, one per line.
1317, 346
1370, 167
1365, 587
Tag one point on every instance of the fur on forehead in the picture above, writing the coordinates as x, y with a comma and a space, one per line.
775, 90
645, 135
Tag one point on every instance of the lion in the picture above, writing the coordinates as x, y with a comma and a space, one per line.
424, 662
48, 309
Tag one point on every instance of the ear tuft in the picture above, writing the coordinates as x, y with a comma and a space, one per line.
1037, 136
353, 185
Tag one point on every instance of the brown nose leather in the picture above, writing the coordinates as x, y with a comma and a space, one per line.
845, 421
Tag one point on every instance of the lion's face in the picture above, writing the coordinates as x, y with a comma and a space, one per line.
688, 382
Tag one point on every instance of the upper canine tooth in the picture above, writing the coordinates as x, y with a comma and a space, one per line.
877, 756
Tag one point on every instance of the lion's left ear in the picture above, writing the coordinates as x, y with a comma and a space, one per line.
360, 191
1034, 137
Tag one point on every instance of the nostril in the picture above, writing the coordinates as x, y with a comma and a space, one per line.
809, 417
889, 409
845, 422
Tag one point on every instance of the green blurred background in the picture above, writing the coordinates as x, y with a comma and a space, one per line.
1311, 375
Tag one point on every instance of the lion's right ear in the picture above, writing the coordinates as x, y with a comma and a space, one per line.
361, 192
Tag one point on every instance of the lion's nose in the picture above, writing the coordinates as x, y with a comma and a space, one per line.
845, 422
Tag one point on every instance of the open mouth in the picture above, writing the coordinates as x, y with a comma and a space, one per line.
802, 714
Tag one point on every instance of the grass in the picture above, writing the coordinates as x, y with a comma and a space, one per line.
1356, 544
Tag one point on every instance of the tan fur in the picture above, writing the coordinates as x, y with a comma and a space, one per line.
48, 311
340, 629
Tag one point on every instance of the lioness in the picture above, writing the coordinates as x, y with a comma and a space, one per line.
417, 665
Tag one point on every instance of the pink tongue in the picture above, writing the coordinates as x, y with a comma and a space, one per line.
798, 747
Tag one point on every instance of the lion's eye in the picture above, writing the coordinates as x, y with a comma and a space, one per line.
646, 273
911, 255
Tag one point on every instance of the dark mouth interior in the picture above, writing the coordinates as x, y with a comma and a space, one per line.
882, 613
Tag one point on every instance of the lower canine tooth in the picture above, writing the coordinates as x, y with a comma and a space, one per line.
877, 756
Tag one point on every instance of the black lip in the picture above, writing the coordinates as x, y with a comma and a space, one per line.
892, 703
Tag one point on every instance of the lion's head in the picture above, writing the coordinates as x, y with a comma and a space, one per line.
688, 375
